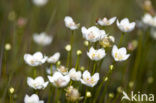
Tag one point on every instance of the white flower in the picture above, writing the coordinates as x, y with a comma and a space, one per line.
125, 26
96, 55
42, 39
149, 20
106, 22
69, 23
153, 33
37, 83
54, 58
59, 80
89, 80
63, 70
93, 33
36, 59
76, 76
119, 54
40, 2
32, 99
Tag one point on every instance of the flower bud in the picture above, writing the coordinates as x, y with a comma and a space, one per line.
150, 80
82, 68
78, 52
86, 43
111, 67
12, 16
105, 79
132, 45
11, 90
131, 84
111, 95
88, 94
107, 41
7, 46
119, 89
68, 47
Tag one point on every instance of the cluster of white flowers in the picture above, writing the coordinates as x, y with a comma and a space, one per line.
59, 75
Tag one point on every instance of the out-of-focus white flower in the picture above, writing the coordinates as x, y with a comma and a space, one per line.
107, 41
42, 39
153, 33
32, 99
37, 83
125, 26
96, 55
72, 94
93, 33
63, 70
105, 21
40, 2
119, 54
59, 80
36, 59
149, 20
54, 58
76, 76
69, 23
7, 46
89, 80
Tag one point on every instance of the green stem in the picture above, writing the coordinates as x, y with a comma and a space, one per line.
98, 90
68, 59
51, 68
107, 83
77, 62
70, 53
94, 67
100, 65
11, 99
34, 72
121, 40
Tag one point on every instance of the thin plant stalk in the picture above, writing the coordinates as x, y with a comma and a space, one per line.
68, 59
107, 83
77, 62
94, 67
121, 39
70, 53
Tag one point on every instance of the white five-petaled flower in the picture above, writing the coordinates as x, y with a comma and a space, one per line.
89, 80
75, 75
54, 58
40, 2
96, 55
37, 83
42, 39
105, 21
59, 80
69, 23
36, 59
119, 54
32, 99
149, 20
93, 34
125, 26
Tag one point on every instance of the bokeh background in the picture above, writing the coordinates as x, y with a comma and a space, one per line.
20, 19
